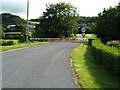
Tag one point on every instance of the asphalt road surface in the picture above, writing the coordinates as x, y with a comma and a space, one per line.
45, 66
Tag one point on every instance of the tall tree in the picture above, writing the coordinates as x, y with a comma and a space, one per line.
59, 20
108, 24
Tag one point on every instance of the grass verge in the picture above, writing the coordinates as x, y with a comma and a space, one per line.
6, 48
89, 73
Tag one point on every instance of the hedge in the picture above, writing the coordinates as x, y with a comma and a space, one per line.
8, 42
107, 56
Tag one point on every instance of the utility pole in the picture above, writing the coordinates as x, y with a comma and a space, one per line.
27, 26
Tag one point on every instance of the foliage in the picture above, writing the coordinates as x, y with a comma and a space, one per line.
20, 29
8, 42
87, 22
114, 43
90, 74
59, 20
1, 32
33, 22
107, 56
9, 19
108, 24
86, 36
20, 26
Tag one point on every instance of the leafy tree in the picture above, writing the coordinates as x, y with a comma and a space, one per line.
22, 36
87, 22
108, 24
59, 20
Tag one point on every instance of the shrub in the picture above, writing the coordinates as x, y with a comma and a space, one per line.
107, 56
114, 43
8, 42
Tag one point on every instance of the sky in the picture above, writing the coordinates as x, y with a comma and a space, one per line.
37, 7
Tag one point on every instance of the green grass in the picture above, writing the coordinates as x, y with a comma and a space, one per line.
91, 74
33, 23
6, 48
87, 35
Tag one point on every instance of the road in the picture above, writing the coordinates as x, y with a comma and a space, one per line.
45, 66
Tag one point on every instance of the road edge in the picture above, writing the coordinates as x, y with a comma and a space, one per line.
75, 76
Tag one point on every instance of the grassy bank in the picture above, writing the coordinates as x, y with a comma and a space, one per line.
91, 74
6, 48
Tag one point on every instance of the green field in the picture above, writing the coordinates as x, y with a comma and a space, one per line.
23, 45
33, 23
86, 36
90, 74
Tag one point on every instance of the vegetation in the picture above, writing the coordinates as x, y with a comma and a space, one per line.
108, 24
89, 73
22, 45
59, 20
86, 35
20, 26
107, 56
114, 43
8, 42
33, 22
87, 22
9, 19
1, 31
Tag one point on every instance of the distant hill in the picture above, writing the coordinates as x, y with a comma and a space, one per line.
9, 19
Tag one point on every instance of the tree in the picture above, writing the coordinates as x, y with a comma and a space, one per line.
2, 33
59, 20
108, 24
87, 22
9, 19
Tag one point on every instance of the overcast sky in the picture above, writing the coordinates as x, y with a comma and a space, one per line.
37, 7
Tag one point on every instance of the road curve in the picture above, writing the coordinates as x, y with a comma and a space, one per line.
45, 66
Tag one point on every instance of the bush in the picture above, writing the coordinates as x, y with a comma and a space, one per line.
8, 42
114, 43
107, 56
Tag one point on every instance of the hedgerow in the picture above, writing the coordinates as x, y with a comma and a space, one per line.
8, 42
107, 56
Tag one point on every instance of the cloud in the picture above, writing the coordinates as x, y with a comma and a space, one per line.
13, 6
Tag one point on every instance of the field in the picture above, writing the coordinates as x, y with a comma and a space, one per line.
86, 36
33, 23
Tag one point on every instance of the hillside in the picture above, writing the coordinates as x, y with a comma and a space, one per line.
9, 19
